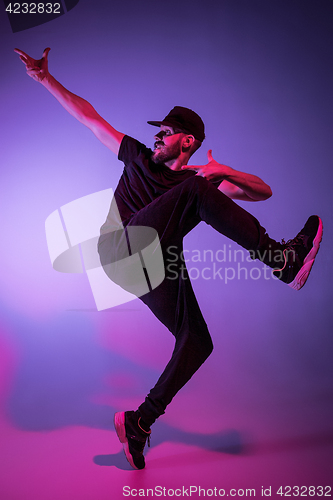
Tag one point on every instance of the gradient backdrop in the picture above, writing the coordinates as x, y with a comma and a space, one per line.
259, 412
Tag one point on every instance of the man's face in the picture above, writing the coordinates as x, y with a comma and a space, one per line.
167, 145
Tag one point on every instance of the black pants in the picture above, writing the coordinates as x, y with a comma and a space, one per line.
173, 302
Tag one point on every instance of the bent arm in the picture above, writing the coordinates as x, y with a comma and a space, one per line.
75, 105
236, 185
84, 112
247, 187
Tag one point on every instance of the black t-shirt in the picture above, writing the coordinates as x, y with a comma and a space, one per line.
142, 181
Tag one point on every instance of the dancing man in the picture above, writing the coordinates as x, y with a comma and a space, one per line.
159, 190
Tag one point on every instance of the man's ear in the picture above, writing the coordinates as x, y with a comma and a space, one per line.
188, 141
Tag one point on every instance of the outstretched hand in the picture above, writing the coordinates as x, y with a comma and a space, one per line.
37, 69
213, 171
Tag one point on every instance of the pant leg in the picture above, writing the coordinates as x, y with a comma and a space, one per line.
179, 210
175, 305
173, 302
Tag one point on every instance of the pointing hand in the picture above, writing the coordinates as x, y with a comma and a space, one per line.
37, 69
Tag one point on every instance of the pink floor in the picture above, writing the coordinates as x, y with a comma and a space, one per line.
84, 463
246, 432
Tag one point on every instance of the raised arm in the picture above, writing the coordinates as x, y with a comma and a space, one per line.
75, 105
237, 185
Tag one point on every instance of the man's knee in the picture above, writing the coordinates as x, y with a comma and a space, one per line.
204, 347
208, 347
200, 344
196, 184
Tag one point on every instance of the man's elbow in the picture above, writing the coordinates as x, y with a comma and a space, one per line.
268, 192
263, 195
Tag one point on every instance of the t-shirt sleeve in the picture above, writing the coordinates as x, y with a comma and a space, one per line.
130, 149
217, 184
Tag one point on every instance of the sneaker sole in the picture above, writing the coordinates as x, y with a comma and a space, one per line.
119, 425
303, 273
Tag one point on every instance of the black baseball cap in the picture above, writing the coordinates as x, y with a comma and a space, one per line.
184, 119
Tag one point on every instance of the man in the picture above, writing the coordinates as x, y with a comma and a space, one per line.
159, 190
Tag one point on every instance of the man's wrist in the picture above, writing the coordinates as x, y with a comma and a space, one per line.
226, 172
47, 80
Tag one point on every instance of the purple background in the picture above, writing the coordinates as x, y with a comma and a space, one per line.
259, 412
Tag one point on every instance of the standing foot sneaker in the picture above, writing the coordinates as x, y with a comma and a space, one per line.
132, 436
299, 254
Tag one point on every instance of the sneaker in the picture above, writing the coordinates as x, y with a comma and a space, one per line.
299, 254
132, 436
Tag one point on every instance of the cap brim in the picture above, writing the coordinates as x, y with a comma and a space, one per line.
163, 122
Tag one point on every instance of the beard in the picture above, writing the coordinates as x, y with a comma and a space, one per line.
165, 153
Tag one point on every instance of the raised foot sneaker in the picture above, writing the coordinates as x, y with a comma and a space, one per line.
299, 254
132, 436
